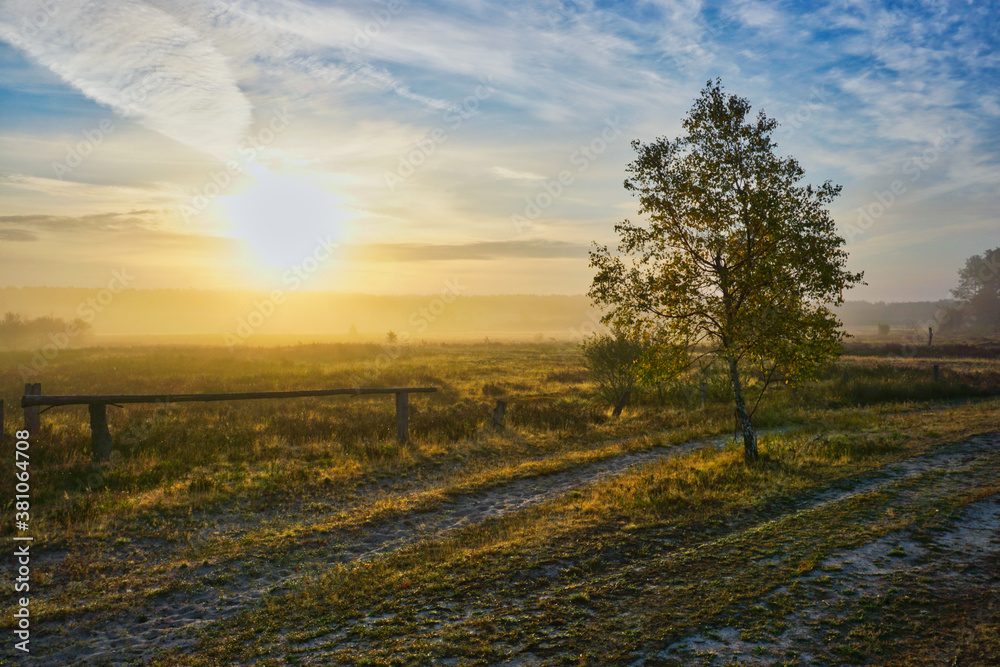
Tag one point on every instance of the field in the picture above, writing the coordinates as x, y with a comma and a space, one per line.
299, 531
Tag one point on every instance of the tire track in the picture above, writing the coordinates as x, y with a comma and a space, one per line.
172, 623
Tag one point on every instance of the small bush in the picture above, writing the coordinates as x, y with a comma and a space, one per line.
612, 360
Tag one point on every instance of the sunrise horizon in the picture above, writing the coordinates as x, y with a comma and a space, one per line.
224, 146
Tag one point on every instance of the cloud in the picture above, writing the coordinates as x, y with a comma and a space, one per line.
511, 174
137, 60
87, 224
366, 83
278, 39
19, 235
54, 197
760, 15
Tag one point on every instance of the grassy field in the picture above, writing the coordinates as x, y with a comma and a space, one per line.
299, 532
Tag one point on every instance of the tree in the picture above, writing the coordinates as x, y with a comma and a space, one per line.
19, 331
613, 361
979, 289
738, 259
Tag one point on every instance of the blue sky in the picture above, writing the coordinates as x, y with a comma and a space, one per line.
477, 141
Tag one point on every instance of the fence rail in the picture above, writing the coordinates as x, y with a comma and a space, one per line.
36, 400
100, 435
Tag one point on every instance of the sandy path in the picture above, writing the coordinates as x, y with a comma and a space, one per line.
972, 543
173, 620
963, 557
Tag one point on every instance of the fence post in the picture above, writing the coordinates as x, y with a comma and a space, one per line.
402, 416
498, 415
100, 435
32, 415
620, 405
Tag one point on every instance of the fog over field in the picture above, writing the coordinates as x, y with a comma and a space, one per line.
207, 317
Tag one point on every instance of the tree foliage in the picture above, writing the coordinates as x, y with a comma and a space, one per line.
17, 331
614, 362
979, 290
737, 259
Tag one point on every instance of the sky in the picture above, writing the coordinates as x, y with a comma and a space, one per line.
412, 147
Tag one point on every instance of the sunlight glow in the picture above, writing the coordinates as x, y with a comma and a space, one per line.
283, 218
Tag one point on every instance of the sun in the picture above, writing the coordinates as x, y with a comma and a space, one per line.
283, 218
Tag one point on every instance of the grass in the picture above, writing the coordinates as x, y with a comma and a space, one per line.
221, 451
597, 566
204, 497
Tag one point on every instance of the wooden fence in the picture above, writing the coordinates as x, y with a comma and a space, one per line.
100, 436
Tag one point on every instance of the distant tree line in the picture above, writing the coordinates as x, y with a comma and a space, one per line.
17, 331
898, 315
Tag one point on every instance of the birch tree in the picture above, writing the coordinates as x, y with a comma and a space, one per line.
736, 258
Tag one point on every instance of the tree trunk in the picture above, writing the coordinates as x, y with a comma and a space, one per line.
749, 435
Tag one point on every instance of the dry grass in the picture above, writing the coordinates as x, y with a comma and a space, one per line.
199, 496
649, 559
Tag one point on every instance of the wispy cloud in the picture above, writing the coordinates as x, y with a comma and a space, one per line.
139, 61
17, 235
147, 226
513, 174
368, 84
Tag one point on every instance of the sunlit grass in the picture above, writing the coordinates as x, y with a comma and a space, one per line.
230, 489
659, 552
195, 454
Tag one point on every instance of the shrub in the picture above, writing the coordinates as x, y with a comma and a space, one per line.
21, 332
612, 361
